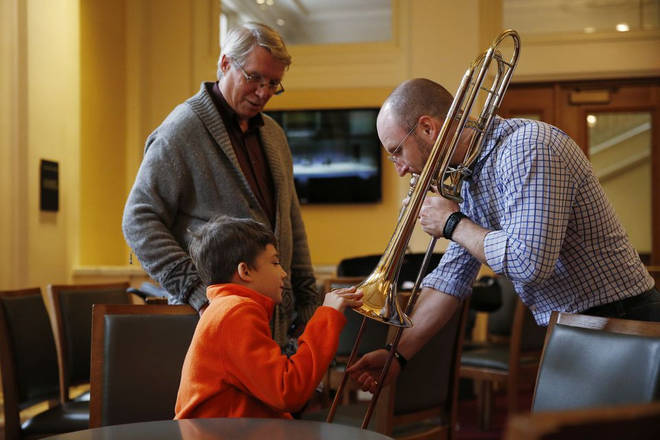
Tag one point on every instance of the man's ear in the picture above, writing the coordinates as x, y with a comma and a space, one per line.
243, 272
224, 64
429, 126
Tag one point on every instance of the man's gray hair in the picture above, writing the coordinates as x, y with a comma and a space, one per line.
243, 38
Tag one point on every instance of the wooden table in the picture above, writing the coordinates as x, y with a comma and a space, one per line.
225, 429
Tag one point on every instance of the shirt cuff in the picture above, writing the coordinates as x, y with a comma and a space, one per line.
333, 315
197, 298
495, 250
445, 284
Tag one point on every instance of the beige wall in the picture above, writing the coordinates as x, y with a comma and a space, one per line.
139, 59
10, 71
84, 81
41, 90
590, 56
102, 131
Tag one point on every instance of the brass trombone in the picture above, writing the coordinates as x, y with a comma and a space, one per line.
380, 287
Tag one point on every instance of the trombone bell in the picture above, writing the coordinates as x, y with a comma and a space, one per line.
379, 300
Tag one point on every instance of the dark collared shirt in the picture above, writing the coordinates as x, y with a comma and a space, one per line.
249, 152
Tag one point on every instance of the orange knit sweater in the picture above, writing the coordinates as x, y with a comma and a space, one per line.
234, 368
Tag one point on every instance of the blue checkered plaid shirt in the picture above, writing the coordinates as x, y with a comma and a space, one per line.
554, 233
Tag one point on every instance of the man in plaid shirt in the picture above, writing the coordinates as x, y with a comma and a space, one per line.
532, 210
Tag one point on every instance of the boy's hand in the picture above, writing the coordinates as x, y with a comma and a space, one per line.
339, 299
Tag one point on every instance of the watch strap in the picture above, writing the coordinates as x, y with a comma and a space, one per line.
451, 223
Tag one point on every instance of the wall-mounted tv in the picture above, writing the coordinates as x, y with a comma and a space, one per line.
336, 154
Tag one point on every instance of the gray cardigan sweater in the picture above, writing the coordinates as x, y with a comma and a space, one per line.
190, 174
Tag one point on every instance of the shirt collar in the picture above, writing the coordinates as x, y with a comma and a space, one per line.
224, 107
220, 290
490, 142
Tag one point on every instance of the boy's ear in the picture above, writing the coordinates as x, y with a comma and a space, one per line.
243, 272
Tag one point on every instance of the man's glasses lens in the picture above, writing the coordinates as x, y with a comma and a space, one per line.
276, 87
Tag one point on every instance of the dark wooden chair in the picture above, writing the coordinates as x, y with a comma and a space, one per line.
509, 358
591, 361
654, 271
422, 403
71, 315
639, 422
137, 356
28, 364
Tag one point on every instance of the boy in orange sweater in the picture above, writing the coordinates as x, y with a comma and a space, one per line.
233, 367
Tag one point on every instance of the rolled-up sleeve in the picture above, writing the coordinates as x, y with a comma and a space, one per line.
455, 274
537, 193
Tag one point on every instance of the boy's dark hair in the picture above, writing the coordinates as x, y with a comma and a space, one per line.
218, 246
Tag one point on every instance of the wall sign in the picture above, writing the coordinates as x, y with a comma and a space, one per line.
49, 184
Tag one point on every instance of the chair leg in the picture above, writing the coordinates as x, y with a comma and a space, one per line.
512, 399
485, 402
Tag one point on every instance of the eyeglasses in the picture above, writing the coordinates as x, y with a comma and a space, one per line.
274, 86
395, 152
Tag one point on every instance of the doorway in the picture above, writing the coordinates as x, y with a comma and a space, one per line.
617, 125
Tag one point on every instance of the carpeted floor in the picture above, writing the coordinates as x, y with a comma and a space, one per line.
468, 417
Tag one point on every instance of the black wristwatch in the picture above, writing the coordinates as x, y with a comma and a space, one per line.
452, 222
398, 356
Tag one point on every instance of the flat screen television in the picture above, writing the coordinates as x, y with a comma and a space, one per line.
336, 154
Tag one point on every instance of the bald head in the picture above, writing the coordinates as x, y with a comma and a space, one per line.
417, 97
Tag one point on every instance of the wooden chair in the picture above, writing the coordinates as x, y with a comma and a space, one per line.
639, 422
28, 365
654, 271
511, 358
71, 317
422, 403
591, 361
137, 356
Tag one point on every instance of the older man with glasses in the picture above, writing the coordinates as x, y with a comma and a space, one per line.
217, 153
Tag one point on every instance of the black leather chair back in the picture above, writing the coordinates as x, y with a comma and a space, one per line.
486, 294
501, 319
590, 368
411, 264
357, 266
28, 360
373, 337
76, 310
426, 382
143, 357
363, 266
30, 339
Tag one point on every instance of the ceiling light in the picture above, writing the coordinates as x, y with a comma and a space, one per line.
261, 2
622, 27
589, 30
591, 120
280, 22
